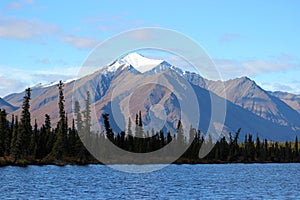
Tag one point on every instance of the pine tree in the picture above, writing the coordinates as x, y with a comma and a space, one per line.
129, 131
109, 132
72, 140
9, 136
169, 137
258, 149
87, 114
59, 148
49, 136
25, 128
13, 146
3, 132
139, 126
87, 121
34, 140
180, 134
162, 138
296, 147
6, 131
80, 135
78, 120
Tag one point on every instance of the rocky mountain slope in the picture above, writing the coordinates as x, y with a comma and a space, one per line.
156, 84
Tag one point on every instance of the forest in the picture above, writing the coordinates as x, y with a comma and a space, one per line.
23, 144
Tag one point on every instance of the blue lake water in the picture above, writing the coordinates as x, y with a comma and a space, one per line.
228, 181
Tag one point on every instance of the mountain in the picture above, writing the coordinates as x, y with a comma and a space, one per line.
248, 95
156, 85
290, 99
4, 105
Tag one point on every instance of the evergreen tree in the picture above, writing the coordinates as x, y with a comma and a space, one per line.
139, 132
87, 115
169, 137
129, 131
296, 147
9, 135
49, 135
180, 134
109, 132
4, 134
80, 134
72, 140
13, 146
34, 140
258, 148
78, 120
25, 128
59, 148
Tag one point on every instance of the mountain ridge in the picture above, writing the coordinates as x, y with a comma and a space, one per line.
243, 96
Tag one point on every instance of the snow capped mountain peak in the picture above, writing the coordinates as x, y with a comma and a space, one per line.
53, 83
140, 62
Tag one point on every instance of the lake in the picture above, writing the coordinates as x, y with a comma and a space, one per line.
207, 181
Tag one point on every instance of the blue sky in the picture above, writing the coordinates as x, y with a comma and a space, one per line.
44, 41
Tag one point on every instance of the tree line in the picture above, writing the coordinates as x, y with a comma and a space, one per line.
22, 142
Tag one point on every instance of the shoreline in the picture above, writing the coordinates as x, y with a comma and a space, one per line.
62, 163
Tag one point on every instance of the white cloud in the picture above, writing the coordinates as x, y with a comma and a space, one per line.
251, 67
142, 35
279, 72
80, 42
10, 85
15, 80
16, 5
24, 29
285, 87
14, 28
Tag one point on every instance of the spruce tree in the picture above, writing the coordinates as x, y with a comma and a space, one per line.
109, 132
296, 147
87, 114
137, 133
78, 120
25, 128
129, 131
3, 132
34, 140
72, 140
87, 121
13, 146
59, 147
49, 136
7, 135
180, 134
79, 148
258, 149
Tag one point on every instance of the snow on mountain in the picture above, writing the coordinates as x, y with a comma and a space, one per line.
141, 63
54, 83
138, 62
